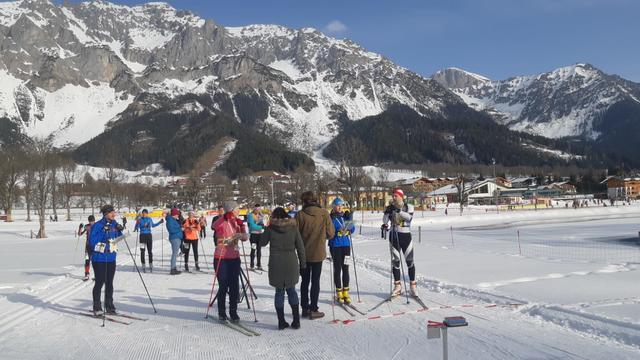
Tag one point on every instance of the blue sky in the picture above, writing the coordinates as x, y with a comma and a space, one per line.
495, 38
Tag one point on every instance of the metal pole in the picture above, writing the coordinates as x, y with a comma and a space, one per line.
140, 275
445, 345
420, 234
519, 246
451, 229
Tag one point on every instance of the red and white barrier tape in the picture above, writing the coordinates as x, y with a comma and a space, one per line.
421, 310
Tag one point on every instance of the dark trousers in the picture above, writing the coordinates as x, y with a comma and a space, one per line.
311, 274
340, 256
192, 244
147, 240
254, 239
104, 273
203, 232
397, 242
228, 279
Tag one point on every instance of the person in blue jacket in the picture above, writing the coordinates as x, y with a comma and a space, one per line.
340, 247
103, 244
174, 227
144, 225
256, 228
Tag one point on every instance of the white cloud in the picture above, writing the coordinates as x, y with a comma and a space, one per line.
335, 27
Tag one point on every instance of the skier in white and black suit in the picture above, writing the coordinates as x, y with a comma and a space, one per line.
400, 214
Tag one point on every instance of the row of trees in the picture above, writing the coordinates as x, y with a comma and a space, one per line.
45, 180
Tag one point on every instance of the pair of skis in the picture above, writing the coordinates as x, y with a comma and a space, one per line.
115, 318
393, 297
237, 326
349, 308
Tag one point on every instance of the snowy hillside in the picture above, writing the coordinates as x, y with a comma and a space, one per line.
113, 59
564, 102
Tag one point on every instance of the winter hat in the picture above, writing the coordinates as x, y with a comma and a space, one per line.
107, 209
398, 192
92, 218
337, 202
229, 206
175, 212
145, 211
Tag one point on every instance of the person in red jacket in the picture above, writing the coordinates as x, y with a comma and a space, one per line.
87, 249
191, 228
229, 230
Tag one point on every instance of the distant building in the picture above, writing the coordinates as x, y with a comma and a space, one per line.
524, 182
622, 188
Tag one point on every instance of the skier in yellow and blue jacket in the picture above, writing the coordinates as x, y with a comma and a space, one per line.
340, 247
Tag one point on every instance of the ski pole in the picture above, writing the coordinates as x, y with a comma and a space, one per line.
162, 248
404, 279
140, 275
75, 253
137, 241
255, 318
215, 277
204, 254
333, 289
355, 271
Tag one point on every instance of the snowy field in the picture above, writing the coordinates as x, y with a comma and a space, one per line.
573, 272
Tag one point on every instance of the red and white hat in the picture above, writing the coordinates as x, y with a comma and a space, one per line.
398, 192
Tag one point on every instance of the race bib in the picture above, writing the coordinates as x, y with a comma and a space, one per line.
113, 247
187, 246
254, 246
86, 257
99, 248
346, 258
143, 246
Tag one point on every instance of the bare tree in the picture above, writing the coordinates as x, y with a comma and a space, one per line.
350, 174
89, 186
11, 169
28, 180
194, 188
325, 183
68, 171
460, 184
43, 174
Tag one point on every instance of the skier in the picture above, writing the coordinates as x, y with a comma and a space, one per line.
124, 222
144, 225
229, 229
284, 265
256, 228
86, 229
174, 228
104, 252
315, 228
220, 214
203, 226
340, 247
191, 228
400, 214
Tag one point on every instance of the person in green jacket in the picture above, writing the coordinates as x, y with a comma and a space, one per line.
286, 259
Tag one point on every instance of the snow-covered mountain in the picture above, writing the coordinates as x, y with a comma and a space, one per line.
77, 69
564, 102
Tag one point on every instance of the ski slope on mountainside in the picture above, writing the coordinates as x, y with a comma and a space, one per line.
572, 307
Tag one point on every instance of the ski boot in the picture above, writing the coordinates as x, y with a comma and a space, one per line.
397, 288
174, 271
186, 267
339, 297
150, 267
345, 295
197, 267
144, 268
233, 315
413, 288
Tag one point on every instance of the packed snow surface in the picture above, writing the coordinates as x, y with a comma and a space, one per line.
574, 275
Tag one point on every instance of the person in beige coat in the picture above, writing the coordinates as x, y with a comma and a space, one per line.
316, 228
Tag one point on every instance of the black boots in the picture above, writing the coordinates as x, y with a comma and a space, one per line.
233, 314
295, 310
281, 323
